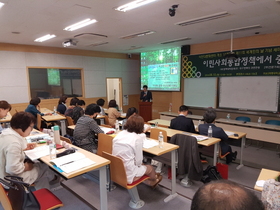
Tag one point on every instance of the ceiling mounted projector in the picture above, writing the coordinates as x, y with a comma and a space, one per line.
69, 43
231, 55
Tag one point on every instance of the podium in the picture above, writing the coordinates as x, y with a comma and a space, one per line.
145, 110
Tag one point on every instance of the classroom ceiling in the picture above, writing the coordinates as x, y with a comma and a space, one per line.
23, 21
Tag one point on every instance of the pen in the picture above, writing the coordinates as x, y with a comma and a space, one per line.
66, 163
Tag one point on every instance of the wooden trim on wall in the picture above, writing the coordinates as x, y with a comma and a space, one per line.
64, 51
256, 41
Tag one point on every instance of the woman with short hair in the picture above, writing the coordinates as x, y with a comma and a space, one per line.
113, 113
5, 107
61, 107
86, 129
12, 156
128, 146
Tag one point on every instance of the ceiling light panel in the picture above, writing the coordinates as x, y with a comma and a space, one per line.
45, 38
1, 5
176, 40
80, 24
137, 35
98, 44
238, 29
133, 5
203, 19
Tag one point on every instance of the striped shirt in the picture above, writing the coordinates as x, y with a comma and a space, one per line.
84, 133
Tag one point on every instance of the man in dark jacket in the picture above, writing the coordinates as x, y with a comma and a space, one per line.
181, 122
209, 118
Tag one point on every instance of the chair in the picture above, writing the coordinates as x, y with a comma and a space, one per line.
155, 132
39, 122
105, 144
46, 199
106, 120
273, 122
243, 118
70, 121
118, 175
62, 138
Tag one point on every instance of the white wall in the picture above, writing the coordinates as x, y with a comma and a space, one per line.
14, 85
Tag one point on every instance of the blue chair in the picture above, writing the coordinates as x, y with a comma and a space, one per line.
243, 118
273, 122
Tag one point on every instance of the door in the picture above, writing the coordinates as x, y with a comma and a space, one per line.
114, 90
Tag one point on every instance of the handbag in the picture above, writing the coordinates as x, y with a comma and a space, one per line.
223, 170
271, 194
210, 174
20, 194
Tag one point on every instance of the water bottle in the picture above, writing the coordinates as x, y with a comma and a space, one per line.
160, 140
228, 117
117, 126
56, 134
52, 147
54, 110
156, 124
210, 131
170, 107
259, 121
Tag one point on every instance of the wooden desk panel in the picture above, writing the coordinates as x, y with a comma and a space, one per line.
99, 162
265, 175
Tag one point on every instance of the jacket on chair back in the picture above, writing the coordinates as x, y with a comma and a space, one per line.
188, 156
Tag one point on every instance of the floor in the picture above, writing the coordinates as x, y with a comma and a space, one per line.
118, 199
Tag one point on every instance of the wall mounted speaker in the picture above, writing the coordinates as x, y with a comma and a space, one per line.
186, 50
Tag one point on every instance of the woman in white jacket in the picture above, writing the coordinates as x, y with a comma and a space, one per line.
128, 146
12, 157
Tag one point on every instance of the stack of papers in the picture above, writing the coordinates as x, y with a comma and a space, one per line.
106, 130
72, 162
149, 143
229, 133
200, 138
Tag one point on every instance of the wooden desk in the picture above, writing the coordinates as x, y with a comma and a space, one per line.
265, 175
100, 164
55, 117
167, 147
241, 135
171, 115
207, 142
263, 132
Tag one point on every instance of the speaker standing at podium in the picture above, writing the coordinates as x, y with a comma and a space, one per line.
146, 96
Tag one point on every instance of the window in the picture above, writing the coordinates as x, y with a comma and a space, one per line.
47, 83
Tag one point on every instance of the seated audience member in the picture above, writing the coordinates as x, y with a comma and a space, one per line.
225, 195
5, 107
217, 132
100, 102
128, 146
61, 107
86, 129
12, 153
78, 111
73, 104
113, 113
181, 122
133, 111
34, 108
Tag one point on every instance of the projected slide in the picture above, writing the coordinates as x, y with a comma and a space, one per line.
53, 77
160, 70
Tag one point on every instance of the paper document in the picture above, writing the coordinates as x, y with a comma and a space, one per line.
37, 152
106, 130
229, 133
72, 162
36, 137
200, 138
149, 143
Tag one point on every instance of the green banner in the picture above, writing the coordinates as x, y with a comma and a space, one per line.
250, 62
